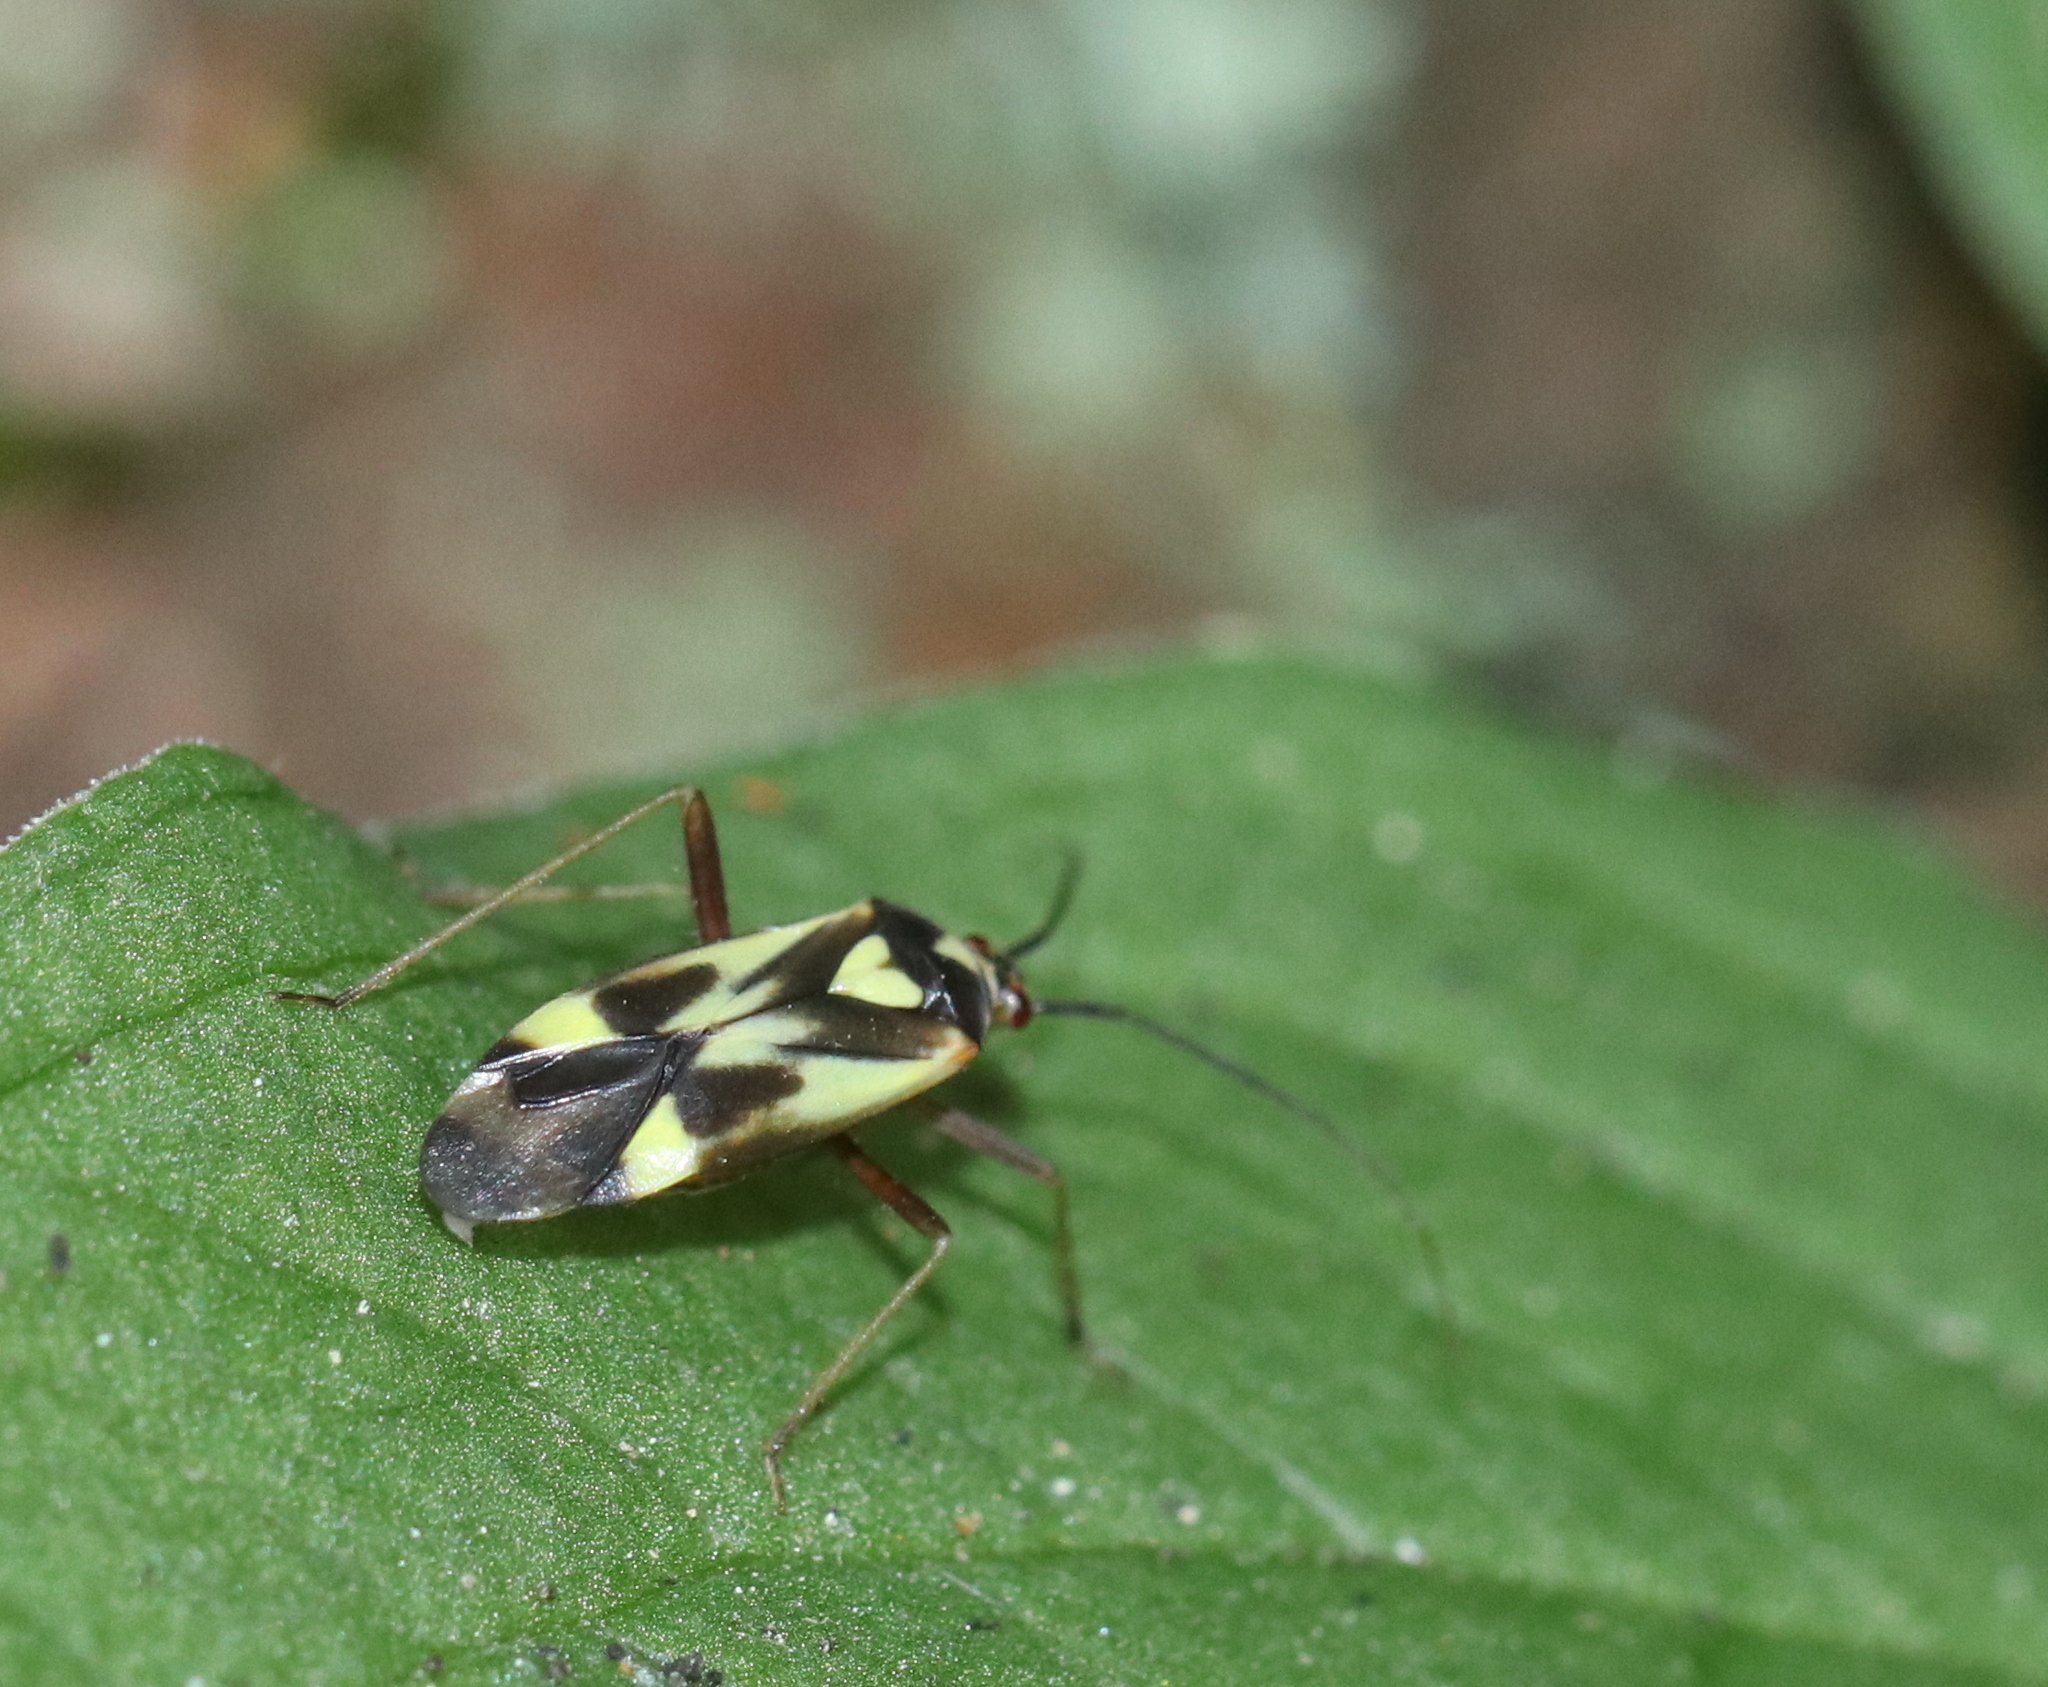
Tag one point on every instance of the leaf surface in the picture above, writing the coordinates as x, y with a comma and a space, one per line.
1730, 1120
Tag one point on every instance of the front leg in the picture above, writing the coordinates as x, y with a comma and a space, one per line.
907, 1205
707, 892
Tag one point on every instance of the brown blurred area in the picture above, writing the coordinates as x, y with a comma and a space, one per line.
1694, 321
442, 403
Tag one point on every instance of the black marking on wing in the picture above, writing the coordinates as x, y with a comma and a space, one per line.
549, 1077
504, 1049
951, 991
715, 1099
634, 1007
910, 938
533, 1136
808, 966
852, 1029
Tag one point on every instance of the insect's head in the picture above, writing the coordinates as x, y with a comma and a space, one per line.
1009, 1002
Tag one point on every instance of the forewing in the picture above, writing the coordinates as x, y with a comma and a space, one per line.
694, 1068
700, 989
531, 1132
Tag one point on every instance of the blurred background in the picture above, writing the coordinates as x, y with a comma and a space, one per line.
444, 400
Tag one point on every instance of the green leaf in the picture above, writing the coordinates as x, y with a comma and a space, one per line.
1972, 80
1730, 1119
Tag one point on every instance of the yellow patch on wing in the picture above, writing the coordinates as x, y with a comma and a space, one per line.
660, 1154
837, 1090
959, 949
565, 1022
869, 974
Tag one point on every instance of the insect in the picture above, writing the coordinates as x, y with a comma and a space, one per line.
699, 1067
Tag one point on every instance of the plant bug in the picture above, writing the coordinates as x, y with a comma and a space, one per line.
696, 1068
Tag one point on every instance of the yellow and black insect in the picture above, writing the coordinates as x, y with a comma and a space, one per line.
697, 1068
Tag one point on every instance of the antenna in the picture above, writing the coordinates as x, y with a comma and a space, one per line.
1369, 1162
1062, 899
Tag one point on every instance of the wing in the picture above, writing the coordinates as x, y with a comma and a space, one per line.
693, 1069
761, 1087
698, 989
532, 1131
873, 951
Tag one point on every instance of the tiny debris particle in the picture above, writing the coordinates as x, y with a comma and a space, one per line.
901, 1438
967, 1523
1062, 1487
83, 1055
761, 796
1955, 1335
1876, 1002
334, 1356
688, 1669
1189, 1514
104, 1339
1408, 1550
983, 1625
1399, 839
1060, 1450
362, 1309
616, 1649
60, 1253
545, 1593
432, 1664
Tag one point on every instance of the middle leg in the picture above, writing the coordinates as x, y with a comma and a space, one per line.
912, 1208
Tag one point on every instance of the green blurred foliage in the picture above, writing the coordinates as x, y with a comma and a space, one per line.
1973, 83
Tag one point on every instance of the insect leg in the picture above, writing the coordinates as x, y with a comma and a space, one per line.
907, 1205
468, 896
707, 873
983, 1138
707, 891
